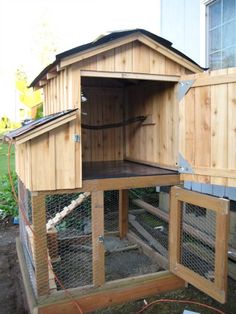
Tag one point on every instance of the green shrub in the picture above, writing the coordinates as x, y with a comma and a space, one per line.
8, 204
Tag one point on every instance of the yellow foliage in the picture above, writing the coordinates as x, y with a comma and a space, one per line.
28, 96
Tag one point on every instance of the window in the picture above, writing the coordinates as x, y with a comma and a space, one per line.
221, 33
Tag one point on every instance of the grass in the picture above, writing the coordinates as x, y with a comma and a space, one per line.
8, 204
4, 159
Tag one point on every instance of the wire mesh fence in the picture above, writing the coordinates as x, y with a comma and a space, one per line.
57, 239
198, 230
25, 219
69, 238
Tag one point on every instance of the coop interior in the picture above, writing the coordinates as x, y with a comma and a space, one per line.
126, 121
140, 248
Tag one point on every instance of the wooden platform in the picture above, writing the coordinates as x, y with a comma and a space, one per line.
120, 175
120, 169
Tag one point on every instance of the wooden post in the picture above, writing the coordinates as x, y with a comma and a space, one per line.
97, 238
40, 244
221, 247
175, 222
123, 212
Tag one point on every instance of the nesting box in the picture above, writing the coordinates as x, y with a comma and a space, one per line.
126, 111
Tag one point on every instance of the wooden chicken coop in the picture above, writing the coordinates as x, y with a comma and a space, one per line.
124, 112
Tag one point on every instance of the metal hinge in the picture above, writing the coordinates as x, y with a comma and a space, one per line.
184, 87
184, 166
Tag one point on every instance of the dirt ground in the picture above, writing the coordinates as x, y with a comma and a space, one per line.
12, 300
11, 294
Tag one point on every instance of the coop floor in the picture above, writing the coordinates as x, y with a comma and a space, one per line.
119, 169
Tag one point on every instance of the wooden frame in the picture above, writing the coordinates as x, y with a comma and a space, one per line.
131, 76
97, 238
39, 240
216, 289
120, 183
112, 293
123, 212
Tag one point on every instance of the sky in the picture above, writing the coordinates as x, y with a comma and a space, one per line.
27, 26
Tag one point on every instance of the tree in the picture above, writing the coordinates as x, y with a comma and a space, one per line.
27, 96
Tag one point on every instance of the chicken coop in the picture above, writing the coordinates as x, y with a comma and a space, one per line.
123, 115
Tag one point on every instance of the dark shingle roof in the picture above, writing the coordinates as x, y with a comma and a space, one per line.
106, 39
35, 124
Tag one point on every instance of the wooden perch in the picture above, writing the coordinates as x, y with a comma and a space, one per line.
147, 250
147, 236
66, 210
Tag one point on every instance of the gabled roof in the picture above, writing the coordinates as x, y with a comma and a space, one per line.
111, 37
40, 126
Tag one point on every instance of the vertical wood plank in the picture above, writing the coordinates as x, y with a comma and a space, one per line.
175, 222
203, 128
106, 61
65, 156
190, 126
119, 132
75, 129
232, 130
97, 137
172, 67
89, 64
141, 58
98, 231
43, 173
108, 134
123, 212
219, 130
40, 244
221, 248
124, 58
157, 63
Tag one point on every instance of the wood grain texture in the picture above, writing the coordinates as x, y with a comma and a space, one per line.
116, 293
216, 289
40, 245
97, 232
123, 212
207, 128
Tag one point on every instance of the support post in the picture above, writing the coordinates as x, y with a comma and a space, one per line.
40, 244
123, 212
98, 238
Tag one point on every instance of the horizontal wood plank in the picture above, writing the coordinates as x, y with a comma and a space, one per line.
125, 75
114, 293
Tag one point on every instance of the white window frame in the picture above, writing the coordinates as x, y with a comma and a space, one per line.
207, 50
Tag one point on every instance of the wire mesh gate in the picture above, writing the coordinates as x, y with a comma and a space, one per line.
199, 240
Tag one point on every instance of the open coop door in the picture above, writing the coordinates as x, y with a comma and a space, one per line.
207, 155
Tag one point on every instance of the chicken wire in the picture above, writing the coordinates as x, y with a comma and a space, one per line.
69, 240
124, 257
111, 211
25, 219
197, 251
56, 230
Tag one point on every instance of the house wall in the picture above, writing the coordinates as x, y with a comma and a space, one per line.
183, 23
